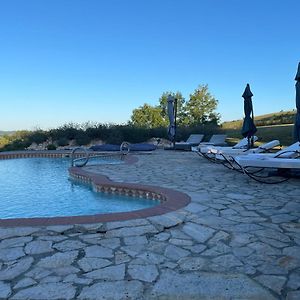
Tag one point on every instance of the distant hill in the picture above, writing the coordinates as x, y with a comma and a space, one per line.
277, 118
6, 132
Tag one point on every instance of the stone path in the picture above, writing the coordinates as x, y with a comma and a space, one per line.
237, 239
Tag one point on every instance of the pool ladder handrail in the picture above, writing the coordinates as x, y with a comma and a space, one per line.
124, 150
74, 159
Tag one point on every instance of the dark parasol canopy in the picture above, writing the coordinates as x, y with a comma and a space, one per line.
248, 128
297, 120
171, 109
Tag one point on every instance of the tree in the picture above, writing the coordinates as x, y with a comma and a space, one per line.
181, 113
201, 107
148, 116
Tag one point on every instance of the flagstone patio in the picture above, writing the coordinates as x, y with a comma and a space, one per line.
237, 239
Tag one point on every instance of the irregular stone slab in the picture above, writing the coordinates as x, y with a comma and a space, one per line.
38, 273
192, 263
175, 253
293, 295
90, 227
131, 231
178, 234
88, 264
195, 207
269, 269
155, 246
249, 228
121, 257
52, 279
112, 243
220, 248
24, 283
273, 243
273, 234
219, 236
49, 291
69, 245
15, 242
133, 250
8, 254
5, 290
59, 228
292, 227
199, 248
167, 220
213, 221
292, 251
283, 218
207, 286
264, 249
275, 283
242, 197
129, 223
245, 269
241, 239
53, 238
227, 261
38, 247
63, 271
109, 273
163, 236
135, 240
75, 279
92, 236
152, 258
242, 251
113, 290
180, 242
294, 281
147, 273
198, 232
58, 260
12, 271
16, 231
98, 251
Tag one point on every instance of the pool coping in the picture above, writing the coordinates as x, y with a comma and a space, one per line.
171, 200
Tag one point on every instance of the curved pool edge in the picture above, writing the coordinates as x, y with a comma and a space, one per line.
171, 200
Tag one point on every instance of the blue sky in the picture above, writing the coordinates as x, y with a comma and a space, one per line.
84, 60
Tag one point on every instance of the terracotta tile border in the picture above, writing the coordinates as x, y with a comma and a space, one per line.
171, 200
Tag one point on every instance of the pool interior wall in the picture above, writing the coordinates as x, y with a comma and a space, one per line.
167, 200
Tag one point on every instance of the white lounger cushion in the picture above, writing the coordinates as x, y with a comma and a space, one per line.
235, 152
263, 161
242, 144
288, 152
193, 139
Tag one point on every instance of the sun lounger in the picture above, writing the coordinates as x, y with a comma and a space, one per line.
219, 153
242, 144
193, 140
264, 161
215, 140
255, 165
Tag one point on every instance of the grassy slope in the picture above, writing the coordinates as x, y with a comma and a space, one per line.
281, 132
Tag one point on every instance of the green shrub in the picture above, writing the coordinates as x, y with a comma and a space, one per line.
82, 139
51, 147
37, 137
116, 137
62, 142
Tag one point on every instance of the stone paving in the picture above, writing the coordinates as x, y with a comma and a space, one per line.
237, 239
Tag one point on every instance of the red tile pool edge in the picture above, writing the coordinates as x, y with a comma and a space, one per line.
171, 200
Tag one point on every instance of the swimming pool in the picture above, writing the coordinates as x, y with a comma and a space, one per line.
41, 187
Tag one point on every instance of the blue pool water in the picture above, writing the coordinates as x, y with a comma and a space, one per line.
41, 187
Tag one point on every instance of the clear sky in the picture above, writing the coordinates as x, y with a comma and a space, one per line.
94, 60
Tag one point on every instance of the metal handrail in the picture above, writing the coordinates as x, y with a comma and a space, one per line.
74, 160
